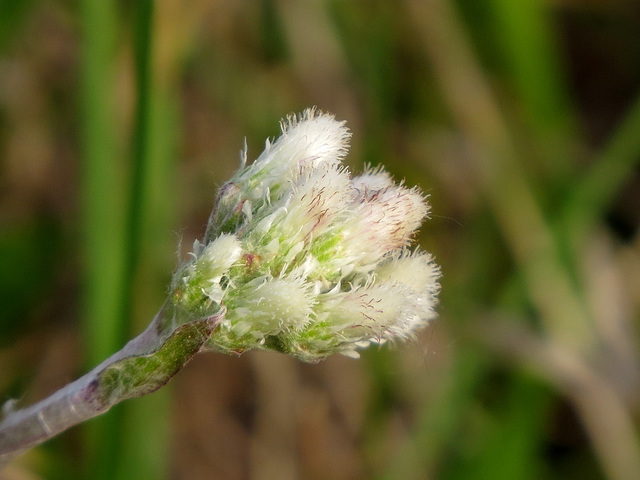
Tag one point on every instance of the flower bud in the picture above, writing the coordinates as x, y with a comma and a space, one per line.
306, 260
262, 308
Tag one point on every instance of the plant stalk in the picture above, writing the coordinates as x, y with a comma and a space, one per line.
144, 365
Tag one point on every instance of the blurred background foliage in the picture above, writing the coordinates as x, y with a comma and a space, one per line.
520, 119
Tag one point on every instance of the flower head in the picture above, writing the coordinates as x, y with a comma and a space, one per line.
306, 259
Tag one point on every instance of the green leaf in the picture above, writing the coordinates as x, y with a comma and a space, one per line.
139, 375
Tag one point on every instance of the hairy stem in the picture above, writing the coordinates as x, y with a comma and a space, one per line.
144, 365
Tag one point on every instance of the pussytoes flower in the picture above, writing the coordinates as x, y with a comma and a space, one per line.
305, 259
298, 257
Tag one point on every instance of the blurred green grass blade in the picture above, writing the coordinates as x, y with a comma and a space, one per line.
30, 253
138, 202
112, 436
440, 421
104, 183
509, 441
525, 33
144, 442
142, 435
366, 31
12, 16
595, 192
274, 42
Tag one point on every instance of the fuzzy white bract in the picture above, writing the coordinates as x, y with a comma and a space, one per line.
306, 260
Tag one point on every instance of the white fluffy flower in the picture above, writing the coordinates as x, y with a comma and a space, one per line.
305, 144
263, 308
304, 258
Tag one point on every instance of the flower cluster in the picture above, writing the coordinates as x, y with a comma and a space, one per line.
305, 259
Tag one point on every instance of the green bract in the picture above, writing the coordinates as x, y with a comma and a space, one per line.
306, 259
